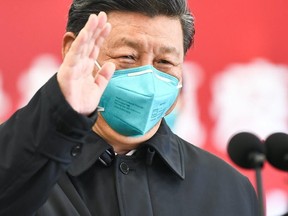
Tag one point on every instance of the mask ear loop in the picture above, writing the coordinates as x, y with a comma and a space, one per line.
97, 64
179, 85
99, 109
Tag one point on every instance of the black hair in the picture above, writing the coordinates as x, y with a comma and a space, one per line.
81, 9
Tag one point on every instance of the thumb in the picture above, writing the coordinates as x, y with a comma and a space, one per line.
104, 75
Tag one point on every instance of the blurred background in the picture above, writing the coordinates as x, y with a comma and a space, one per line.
236, 74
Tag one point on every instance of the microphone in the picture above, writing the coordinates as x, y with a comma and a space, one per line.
247, 151
277, 150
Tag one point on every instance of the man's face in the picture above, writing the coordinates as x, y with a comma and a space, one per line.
137, 40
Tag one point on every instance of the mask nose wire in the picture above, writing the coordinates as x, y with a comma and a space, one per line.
140, 72
155, 74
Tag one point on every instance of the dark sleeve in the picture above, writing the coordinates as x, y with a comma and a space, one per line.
37, 144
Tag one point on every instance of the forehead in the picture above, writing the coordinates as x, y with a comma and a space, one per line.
135, 29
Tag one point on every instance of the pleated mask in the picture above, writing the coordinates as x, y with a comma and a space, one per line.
136, 99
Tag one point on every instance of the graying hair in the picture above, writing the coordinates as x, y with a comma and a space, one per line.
81, 9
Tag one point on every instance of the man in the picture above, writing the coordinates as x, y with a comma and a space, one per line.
88, 144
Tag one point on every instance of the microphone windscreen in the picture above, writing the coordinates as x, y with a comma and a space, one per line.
242, 147
277, 150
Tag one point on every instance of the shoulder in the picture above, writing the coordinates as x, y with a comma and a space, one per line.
212, 170
210, 176
200, 160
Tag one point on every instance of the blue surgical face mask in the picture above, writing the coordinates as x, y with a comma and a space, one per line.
136, 99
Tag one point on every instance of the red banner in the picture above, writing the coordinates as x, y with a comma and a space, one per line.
236, 74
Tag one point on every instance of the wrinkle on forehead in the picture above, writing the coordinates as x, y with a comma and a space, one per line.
164, 31
138, 45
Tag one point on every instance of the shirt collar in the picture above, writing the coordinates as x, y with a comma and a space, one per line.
164, 142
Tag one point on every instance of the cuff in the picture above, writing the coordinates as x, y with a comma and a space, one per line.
66, 128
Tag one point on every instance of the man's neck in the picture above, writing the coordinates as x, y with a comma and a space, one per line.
121, 144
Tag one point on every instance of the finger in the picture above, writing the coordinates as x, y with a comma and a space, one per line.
99, 35
104, 75
99, 41
78, 46
102, 20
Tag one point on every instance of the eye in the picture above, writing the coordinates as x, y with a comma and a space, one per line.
128, 57
165, 62
125, 61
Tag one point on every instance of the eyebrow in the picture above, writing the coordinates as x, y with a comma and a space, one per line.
169, 49
136, 45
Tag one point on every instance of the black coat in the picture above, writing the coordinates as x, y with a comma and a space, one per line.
52, 164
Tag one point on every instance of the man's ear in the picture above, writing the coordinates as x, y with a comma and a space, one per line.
68, 39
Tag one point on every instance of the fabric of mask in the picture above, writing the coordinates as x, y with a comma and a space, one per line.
171, 119
136, 99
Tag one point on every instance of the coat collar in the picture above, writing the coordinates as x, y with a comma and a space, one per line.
167, 146
164, 142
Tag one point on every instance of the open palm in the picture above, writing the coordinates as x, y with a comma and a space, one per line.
80, 86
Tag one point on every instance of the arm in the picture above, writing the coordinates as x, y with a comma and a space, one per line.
37, 141
35, 147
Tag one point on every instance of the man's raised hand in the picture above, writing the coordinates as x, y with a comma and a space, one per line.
79, 84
